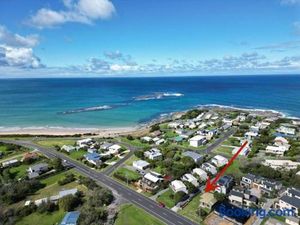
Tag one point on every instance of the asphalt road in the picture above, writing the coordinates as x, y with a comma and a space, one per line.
164, 214
226, 135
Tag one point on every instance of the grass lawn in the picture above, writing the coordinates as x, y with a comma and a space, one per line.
170, 134
131, 160
132, 175
135, 142
19, 171
224, 149
132, 215
190, 211
58, 141
42, 218
234, 168
77, 154
166, 199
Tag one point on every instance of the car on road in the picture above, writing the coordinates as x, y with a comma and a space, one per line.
161, 205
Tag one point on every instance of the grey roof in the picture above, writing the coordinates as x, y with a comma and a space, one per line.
39, 166
291, 200
33, 175
250, 176
236, 193
225, 180
195, 156
294, 192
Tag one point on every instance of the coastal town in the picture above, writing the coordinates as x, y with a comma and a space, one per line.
158, 172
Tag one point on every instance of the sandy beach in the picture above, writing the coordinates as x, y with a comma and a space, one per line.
61, 131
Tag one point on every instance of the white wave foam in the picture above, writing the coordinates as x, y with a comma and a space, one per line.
157, 96
88, 109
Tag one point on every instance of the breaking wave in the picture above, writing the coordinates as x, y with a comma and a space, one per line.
88, 109
158, 95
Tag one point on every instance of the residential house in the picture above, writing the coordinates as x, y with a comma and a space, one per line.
175, 124
178, 185
277, 150
106, 145
70, 218
245, 151
146, 139
290, 200
140, 165
84, 142
93, 158
242, 197
38, 168
114, 149
286, 130
92, 150
251, 135
281, 164
191, 179
225, 184
197, 141
207, 200
68, 148
193, 155
201, 173
160, 141
209, 168
153, 154
219, 161
10, 163
150, 181
281, 141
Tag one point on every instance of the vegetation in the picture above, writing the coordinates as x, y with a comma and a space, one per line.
132, 215
127, 175
191, 210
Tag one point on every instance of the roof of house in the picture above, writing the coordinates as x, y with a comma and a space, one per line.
193, 155
140, 163
208, 198
151, 177
68, 192
92, 156
70, 218
225, 180
178, 184
220, 158
38, 166
197, 138
291, 200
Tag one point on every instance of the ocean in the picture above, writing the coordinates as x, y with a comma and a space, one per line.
124, 102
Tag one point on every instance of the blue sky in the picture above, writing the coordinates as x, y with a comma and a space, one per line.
138, 38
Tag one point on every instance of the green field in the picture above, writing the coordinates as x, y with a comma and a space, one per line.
131, 160
77, 154
190, 211
132, 215
42, 218
19, 171
234, 168
132, 175
58, 141
224, 149
135, 142
166, 199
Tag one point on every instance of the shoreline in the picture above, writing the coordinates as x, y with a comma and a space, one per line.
114, 131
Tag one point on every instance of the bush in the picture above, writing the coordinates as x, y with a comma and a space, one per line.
69, 202
68, 179
47, 207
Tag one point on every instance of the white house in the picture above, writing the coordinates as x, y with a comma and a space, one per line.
209, 168
219, 161
281, 164
178, 185
201, 173
140, 164
68, 148
245, 151
286, 130
160, 141
114, 149
290, 200
191, 179
277, 150
146, 139
8, 163
84, 142
250, 135
281, 141
153, 154
197, 140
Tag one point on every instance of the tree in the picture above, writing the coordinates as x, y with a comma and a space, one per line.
69, 202
201, 212
100, 196
139, 154
219, 196
92, 216
129, 137
57, 164
178, 196
154, 127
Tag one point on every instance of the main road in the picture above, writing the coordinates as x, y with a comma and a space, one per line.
164, 214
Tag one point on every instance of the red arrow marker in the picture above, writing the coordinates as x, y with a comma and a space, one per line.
212, 185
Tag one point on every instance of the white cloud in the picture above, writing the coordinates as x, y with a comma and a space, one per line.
18, 57
297, 27
80, 11
8, 38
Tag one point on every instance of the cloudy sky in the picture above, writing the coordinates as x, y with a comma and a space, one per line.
53, 38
